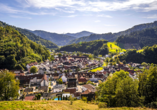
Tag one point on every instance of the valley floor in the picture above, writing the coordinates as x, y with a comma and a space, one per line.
55, 105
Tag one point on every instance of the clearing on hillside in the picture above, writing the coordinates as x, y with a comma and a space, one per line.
113, 48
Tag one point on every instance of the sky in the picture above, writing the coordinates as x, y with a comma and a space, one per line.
63, 16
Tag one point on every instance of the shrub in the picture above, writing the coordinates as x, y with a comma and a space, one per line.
102, 105
152, 105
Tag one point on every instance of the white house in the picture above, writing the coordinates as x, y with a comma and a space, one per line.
59, 88
64, 79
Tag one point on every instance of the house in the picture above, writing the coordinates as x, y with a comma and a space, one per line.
18, 72
70, 90
82, 80
59, 88
43, 89
88, 91
29, 97
28, 90
71, 82
77, 95
64, 79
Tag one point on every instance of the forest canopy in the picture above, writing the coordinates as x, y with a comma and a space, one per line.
16, 50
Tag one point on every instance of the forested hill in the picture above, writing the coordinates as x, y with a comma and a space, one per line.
59, 39
33, 37
113, 36
149, 55
16, 50
147, 37
80, 34
97, 46
108, 36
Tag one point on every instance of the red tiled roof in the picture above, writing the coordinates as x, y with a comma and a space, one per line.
29, 97
76, 94
82, 79
86, 92
72, 91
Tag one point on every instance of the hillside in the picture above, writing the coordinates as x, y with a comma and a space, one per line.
108, 36
114, 48
113, 36
56, 105
147, 54
16, 50
59, 39
33, 37
79, 34
147, 37
98, 46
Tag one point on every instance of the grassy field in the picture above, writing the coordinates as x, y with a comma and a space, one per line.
141, 50
113, 47
55, 105
98, 69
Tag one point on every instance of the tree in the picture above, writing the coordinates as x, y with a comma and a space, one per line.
33, 69
124, 62
60, 81
90, 82
127, 93
38, 96
9, 86
71, 99
144, 64
52, 58
150, 86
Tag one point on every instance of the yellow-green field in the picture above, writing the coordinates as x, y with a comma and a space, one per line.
96, 69
113, 47
55, 105
141, 50
99, 68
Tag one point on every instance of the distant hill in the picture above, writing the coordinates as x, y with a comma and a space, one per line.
33, 37
16, 50
113, 36
98, 46
146, 37
108, 36
59, 39
80, 34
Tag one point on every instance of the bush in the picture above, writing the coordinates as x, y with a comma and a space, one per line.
102, 105
152, 105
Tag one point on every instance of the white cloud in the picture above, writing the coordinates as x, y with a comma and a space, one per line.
14, 16
109, 25
7, 9
106, 16
71, 16
94, 6
151, 16
97, 21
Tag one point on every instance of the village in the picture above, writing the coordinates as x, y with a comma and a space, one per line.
66, 76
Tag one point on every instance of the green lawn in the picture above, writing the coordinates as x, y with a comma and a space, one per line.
56, 105
113, 47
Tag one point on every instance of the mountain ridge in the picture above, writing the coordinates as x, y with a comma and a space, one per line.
31, 36
113, 36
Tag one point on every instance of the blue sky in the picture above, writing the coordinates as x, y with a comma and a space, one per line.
62, 16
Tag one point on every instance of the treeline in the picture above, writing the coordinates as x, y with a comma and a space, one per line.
16, 50
33, 37
121, 90
147, 37
96, 47
149, 55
